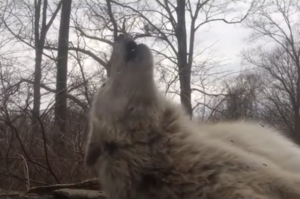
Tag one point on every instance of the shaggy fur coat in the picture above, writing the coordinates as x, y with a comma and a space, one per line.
144, 146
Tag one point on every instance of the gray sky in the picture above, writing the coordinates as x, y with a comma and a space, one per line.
229, 41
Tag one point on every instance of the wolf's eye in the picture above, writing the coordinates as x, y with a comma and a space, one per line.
131, 50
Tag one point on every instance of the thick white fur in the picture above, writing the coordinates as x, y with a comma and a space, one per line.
146, 147
264, 141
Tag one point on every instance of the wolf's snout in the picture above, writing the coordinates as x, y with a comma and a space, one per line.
131, 46
127, 48
131, 50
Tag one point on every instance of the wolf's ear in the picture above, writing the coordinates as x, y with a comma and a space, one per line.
92, 154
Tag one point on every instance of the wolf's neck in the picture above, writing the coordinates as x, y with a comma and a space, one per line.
147, 107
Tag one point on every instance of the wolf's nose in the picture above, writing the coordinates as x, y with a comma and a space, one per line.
121, 36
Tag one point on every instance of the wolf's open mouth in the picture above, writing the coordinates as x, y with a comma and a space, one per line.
131, 50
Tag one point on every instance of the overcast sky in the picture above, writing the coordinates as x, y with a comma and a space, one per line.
230, 41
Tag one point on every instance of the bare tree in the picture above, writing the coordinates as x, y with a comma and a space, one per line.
241, 99
38, 16
280, 93
277, 21
62, 67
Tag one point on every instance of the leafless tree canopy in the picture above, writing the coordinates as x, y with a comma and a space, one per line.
278, 61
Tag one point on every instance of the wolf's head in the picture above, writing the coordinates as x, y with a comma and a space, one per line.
131, 68
128, 98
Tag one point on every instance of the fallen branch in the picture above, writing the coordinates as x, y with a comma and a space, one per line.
91, 184
78, 194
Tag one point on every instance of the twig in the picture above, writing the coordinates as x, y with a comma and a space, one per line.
26, 171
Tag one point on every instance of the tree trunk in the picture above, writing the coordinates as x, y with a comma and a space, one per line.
39, 44
62, 63
36, 89
184, 68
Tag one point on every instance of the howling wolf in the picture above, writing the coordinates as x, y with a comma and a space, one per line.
144, 146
